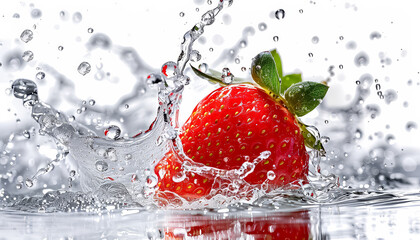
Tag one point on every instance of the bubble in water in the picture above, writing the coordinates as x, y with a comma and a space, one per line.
23, 87
262, 26
208, 18
181, 14
375, 35
90, 30
112, 132
203, 67
26, 36
26, 134
410, 126
29, 183
227, 76
195, 56
237, 60
169, 69
101, 166
84, 68
92, 102
36, 13
271, 175
361, 59
19, 186
40, 75
243, 44
315, 39
72, 173
358, 134
27, 56
280, 14
77, 17
276, 38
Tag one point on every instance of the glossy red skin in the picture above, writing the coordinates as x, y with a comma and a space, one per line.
229, 126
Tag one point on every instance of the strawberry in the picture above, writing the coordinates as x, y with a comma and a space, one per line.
236, 123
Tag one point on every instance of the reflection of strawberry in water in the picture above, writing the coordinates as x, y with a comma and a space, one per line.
234, 124
278, 226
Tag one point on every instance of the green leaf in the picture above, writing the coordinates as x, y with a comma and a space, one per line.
289, 80
277, 60
264, 72
310, 140
304, 97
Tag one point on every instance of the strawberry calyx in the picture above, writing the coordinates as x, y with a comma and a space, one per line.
299, 97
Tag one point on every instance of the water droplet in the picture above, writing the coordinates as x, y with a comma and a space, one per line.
378, 87
126, 106
242, 44
243, 69
19, 186
77, 17
211, 49
195, 56
181, 14
179, 177
300, 10
26, 134
23, 87
390, 139
90, 30
8, 91
280, 14
275, 38
262, 26
170, 69
29, 183
72, 173
237, 60
92, 102
326, 121
36, 13
151, 181
366, 81
341, 66
84, 68
361, 59
271, 175
390, 96
375, 35
227, 76
26, 36
315, 39
358, 134
60, 48
357, 82
341, 38
410, 126
101, 166
203, 67
113, 132
209, 2
27, 56
310, 54
40, 75
16, 15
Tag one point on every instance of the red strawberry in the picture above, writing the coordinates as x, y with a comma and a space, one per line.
235, 124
